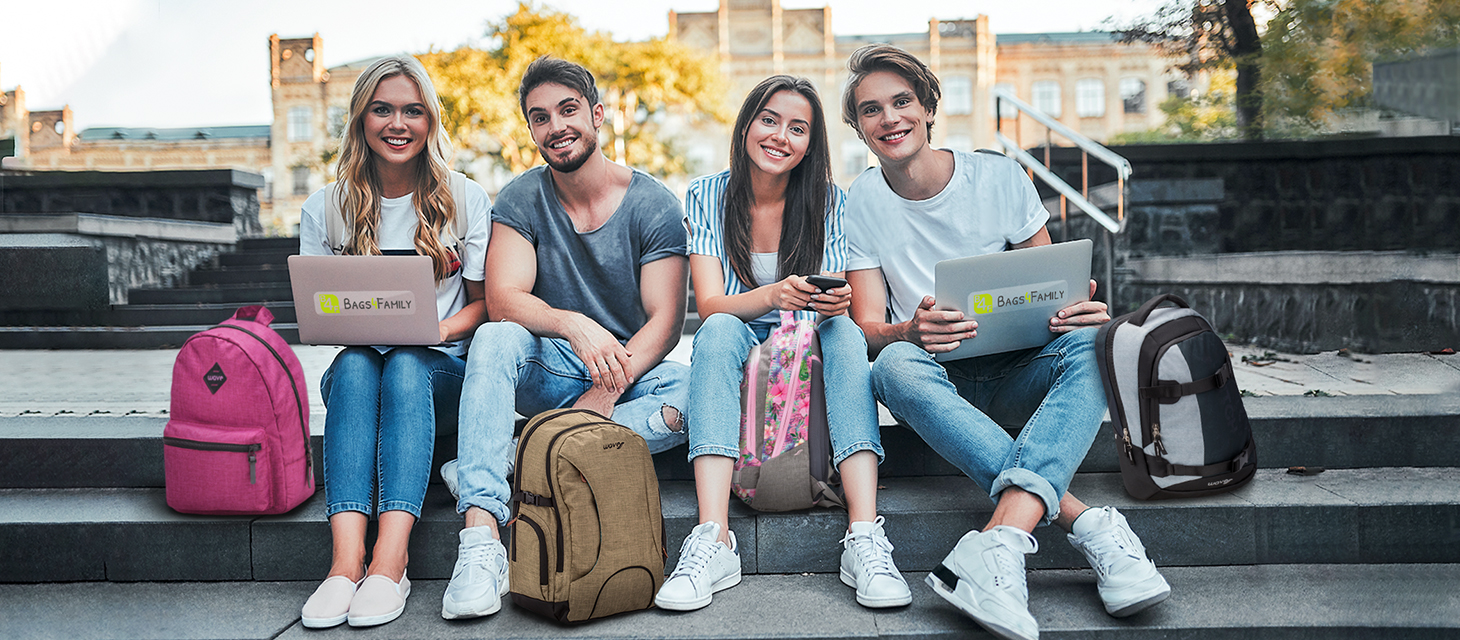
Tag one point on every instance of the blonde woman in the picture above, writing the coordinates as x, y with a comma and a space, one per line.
394, 194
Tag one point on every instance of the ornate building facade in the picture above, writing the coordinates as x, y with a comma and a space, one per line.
1087, 80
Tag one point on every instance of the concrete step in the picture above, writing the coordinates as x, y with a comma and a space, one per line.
1355, 516
265, 245
162, 337
137, 315
234, 293
1217, 603
265, 274
118, 450
257, 258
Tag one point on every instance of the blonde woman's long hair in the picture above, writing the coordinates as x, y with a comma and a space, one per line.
360, 199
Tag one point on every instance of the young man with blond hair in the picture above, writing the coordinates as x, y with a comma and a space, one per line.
923, 205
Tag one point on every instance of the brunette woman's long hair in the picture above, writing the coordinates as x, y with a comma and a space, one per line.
803, 223
360, 205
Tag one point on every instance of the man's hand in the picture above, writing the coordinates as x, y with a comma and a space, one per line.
938, 331
598, 399
607, 360
1081, 314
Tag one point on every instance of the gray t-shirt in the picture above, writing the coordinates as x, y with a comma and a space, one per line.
594, 273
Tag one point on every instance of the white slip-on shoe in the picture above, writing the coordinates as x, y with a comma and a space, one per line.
984, 577
1127, 580
378, 601
867, 566
705, 566
330, 603
448, 476
479, 579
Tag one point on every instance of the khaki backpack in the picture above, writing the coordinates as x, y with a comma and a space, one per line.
588, 536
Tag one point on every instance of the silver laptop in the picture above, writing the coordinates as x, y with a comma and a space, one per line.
365, 300
1013, 294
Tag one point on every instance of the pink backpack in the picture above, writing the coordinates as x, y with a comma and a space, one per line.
238, 438
785, 446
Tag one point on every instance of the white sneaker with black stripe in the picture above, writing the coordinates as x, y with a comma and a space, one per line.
984, 577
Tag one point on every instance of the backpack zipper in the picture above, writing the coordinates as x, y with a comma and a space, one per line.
199, 445
298, 405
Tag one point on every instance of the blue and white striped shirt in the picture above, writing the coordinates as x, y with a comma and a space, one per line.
704, 206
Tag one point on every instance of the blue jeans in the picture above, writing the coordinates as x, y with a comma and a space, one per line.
512, 371
1054, 392
718, 367
380, 425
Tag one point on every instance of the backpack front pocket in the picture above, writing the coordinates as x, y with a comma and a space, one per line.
226, 470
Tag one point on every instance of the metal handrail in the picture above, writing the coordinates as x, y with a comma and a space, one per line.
1087, 147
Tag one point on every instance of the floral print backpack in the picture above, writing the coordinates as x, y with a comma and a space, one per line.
785, 446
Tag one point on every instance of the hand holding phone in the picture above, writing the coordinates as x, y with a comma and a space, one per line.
826, 283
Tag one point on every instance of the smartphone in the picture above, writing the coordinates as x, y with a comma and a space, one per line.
826, 282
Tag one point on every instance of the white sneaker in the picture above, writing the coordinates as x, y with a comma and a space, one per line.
479, 579
984, 577
867, 566
1128, 581
705, 566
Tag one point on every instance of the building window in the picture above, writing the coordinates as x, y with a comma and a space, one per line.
958, 95
300, 179
336, 117
1047, 97
1179, 88
854, 157
299, 125
1133, 95
1007, 110
959, 142
1090, 98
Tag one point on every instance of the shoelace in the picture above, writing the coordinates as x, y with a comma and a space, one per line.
1011, 567
1111, 547
694, 556
873, 552
478, 556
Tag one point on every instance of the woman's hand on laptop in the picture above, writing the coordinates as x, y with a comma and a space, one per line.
1081, 314
936, 330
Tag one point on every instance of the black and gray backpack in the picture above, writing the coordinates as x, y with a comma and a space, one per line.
1180, 429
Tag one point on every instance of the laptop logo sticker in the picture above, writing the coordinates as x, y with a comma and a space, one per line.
366, 303
1016, 298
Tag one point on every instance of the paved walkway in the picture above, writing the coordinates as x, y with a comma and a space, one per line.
138, 382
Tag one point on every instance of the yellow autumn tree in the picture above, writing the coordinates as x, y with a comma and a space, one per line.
643, 86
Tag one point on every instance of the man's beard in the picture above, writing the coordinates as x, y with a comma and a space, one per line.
572, 163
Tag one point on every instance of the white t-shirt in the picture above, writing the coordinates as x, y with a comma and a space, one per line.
398, 232
988, 204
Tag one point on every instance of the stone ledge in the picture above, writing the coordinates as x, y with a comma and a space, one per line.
96, 224
1298, 267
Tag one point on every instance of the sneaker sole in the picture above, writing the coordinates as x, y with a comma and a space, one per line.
875, 603
483, 607
946, 592
1141, 604
700, 603
324, 623
370, 621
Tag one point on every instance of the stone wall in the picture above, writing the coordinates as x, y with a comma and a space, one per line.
218, 195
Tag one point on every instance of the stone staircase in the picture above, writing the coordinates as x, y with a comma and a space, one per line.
256, 273
1370, 547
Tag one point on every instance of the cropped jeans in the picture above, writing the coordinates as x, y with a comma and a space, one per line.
512, 371
380, 425
718, 366
1053, 392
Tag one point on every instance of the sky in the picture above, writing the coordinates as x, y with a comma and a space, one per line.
186, 63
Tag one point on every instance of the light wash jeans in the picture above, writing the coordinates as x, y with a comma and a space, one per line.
1054, 392
718, 366
380, 425
511, 371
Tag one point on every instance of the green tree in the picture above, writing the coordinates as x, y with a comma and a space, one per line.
1318, 54
642, 84
1203, 35
1207, 117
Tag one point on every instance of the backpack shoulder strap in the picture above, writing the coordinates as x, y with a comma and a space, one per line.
334, 218
458, 196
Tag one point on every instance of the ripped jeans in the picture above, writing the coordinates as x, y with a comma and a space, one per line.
511, 371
